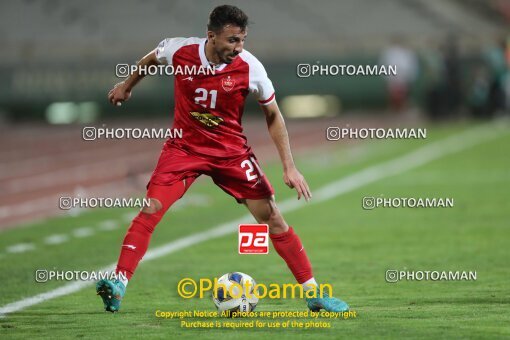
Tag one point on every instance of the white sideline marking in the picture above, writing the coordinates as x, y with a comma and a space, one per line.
197, 200
414, 159
19, 248
83, 232
128, 217
108, 225
56, 239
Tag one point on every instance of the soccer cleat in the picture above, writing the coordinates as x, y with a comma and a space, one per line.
111, 291
330, 304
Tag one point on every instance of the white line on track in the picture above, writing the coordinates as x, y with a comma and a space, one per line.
412, 160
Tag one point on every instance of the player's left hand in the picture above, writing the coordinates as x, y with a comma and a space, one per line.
294, 180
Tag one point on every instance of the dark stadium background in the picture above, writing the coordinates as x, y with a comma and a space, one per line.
65, 53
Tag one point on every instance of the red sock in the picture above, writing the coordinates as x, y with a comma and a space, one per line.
289, 247
139, 233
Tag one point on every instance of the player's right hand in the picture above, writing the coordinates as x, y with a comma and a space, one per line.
119, 94
294, 180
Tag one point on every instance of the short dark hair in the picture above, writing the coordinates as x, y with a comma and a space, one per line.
224, 15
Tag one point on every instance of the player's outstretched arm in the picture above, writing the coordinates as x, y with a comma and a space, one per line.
122, 91
278, 131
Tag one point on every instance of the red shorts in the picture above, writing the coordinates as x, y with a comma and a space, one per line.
240, 176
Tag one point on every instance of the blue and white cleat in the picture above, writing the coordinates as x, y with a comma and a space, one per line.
111, 291
330, 304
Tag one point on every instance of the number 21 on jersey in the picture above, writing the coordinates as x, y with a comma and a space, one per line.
250, 172
203, 96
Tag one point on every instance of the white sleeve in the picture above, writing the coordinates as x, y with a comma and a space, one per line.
166, 48
259, 84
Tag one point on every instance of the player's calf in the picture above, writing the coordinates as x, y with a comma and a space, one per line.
265, 211
134, 246
137, 239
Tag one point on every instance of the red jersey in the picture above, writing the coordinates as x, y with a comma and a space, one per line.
209, 105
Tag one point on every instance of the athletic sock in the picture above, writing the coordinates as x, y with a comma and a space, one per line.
123, 279
309, 284
289, 247
136, 242
139, 233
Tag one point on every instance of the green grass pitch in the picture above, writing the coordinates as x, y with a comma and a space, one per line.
349, 247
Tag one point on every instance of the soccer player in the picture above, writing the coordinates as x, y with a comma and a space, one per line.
208, 109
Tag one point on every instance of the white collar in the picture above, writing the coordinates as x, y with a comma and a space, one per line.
203, 58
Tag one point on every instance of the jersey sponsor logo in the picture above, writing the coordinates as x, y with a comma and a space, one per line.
208, 119
228, 83
253, 239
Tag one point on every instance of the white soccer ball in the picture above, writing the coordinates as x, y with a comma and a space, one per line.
238, 294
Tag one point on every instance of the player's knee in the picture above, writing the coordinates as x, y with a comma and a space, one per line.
147, 218
271, 217
266, 212
275, 221
153, 207
278, 226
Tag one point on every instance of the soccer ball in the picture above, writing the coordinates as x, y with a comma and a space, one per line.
237, 295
